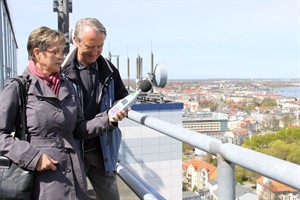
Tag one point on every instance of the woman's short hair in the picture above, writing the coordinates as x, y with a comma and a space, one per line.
42, 38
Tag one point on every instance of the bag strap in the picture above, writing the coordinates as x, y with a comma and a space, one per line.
20, 126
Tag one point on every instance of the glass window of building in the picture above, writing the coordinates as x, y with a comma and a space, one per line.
8, 44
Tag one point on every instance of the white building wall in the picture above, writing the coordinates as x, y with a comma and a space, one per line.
153, 156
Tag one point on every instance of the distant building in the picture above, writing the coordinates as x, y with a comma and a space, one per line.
8, 45
208, 126
270, 189
214, 127
240, 99
197, 175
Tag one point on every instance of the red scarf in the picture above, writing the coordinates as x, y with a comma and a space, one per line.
52, 81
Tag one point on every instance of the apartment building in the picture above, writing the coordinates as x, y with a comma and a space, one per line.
270, 189
198, 173
205, 125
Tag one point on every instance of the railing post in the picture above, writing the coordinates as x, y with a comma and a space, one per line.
226, 179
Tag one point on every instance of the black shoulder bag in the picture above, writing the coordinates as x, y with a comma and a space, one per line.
17, 183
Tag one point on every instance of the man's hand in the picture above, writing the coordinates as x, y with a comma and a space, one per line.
46, 163
120, 115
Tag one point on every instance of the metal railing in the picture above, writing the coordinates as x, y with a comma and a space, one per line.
228, 155
137, 185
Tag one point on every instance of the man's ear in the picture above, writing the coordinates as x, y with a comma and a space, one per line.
75, 41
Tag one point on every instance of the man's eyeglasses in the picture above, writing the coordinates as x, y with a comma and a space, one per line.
56, 53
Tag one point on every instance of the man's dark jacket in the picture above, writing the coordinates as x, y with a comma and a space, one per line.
111, 89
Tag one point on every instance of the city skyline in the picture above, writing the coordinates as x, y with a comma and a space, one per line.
236, 39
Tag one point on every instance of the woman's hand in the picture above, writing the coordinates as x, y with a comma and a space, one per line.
46, 163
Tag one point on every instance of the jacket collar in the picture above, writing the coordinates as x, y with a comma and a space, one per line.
42, 90
69, 65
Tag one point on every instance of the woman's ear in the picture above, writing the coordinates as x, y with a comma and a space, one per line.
36, 52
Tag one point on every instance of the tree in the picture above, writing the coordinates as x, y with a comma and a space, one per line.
185, 187
284, 144
187, 148
209, 159
272, 123
243, 174
287, 120
268, 103
279, 149
294, 155
213, 106
195, 188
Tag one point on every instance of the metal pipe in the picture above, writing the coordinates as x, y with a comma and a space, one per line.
128, 73
138, 185
63, 21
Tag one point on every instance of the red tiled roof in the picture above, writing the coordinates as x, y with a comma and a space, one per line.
266, 95
275, 186
190, 91
198, 165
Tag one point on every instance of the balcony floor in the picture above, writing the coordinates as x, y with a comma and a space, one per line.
124, 190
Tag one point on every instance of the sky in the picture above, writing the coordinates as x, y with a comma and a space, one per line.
195, 39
